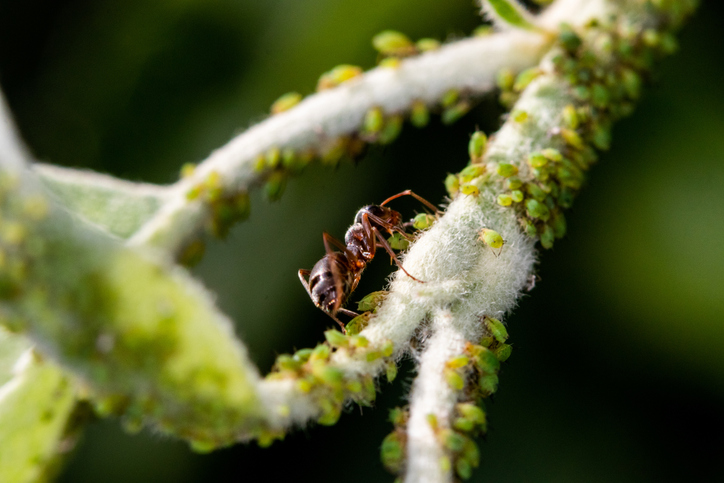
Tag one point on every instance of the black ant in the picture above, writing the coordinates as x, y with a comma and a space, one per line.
332, 279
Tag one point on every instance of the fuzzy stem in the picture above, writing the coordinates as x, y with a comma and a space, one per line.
325, 116
431, 395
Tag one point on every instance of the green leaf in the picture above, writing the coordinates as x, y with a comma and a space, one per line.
119, 206
508, 12
35, 408
140, 331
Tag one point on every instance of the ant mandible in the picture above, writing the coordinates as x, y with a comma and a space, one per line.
333, 278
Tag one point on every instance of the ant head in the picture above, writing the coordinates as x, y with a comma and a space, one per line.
382, 213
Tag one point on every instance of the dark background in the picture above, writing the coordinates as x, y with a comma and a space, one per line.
618, 370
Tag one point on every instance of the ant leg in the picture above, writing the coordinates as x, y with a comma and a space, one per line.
336, 276
302, 274
341, 325
387, 247
414, 195
387, 225
347, 312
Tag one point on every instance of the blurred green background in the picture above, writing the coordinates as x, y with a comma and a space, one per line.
618, 368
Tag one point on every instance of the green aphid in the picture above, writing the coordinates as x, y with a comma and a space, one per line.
565, 199
507, 170
530, 228
471, 172
570, 117
519, 116
503, 352
558, 223
600, 96
289, 160
489, 383
330, 413
570, 177
472, 412
338, 75
506, 79
275, 184
419, 114
397, 416
453, 113
541, 174
452, 184
482, 31
536, 192
259, 163
373, 122
356, 325
388, 348
463, 469
391, 371
204, 447
651, 37
537, 160
453, 440
568, 38
391, 42
602, 137
302, 355
187, 170
491, 238
450, 98
427, 44
286, 102
669, 44
398, 242
471, 453
497, 329
525, 78
392, 129
505, 200
547, 238
487, 362
423, 221
572, 138
463, 424
582, 93
336, 338
354, 386
432, 422
389, 63
286, 362
373, 356
358, 341
513, 183
477, 145
320, 353
458, 361
470, 189
537, 210
508, 99
331, 376
454, 380
552, 154
516, 196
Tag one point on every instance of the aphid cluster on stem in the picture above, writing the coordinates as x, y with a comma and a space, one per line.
473, 375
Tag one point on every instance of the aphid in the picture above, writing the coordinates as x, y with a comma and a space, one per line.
333, 278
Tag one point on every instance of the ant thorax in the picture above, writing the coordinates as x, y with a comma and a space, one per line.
359, 244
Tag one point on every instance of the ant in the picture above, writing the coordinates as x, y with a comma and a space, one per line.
333, 278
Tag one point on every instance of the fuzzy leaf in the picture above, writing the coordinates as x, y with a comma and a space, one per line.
35, 407
119, 206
